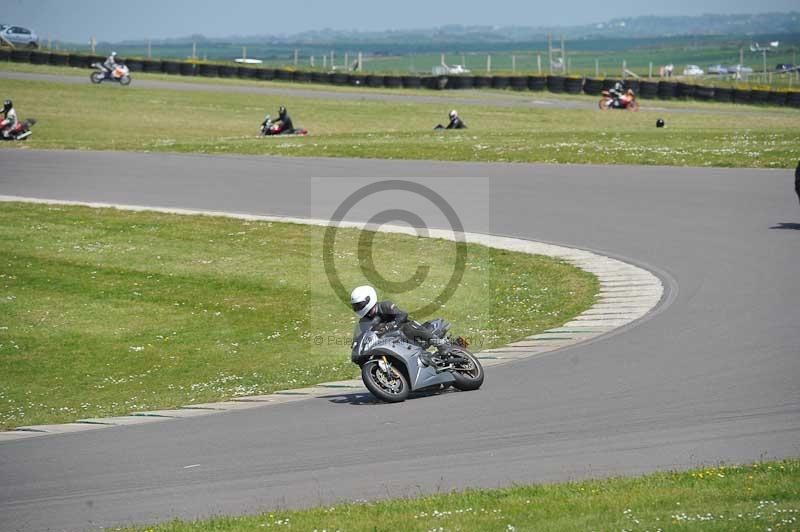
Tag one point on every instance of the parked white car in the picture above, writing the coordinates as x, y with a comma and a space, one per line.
693, 70
19, 36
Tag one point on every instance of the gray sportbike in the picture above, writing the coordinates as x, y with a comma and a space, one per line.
392, 366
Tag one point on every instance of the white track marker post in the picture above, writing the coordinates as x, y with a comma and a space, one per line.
312, 61
244, 52
325, 61
295, 57
650, 72
539, 63
332, 63
514, 64
596, 67
464, 61
488, 63
563, 56
92, 43
361, 62
194, 49
550, 52
346, 62
149, 50
624, 68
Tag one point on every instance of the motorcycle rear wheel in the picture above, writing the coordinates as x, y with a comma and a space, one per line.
469, 374
125, 80
394, 390
97, 77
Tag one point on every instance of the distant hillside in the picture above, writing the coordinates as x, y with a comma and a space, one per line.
637, 27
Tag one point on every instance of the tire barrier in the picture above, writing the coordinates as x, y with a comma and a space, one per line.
265, 74
667, 90
412, 82
319, 77
777, 98
558, 84
648, 89
357, 80
555, 83
518, 83
723, 94
227, 71
462, 82
374, 81
171, 67
40, 58
301, 76
704, 93
759, 96
392, 82
685, 90
187, 69
573, 85
593, 86
340, 78
537, 83
500, 82
20, 56
482, 82
208, 71
741, 96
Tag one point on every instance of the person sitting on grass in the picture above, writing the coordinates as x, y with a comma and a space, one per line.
10, 121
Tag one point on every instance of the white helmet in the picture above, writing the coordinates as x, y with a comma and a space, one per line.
453, 114
113, 54
362, 299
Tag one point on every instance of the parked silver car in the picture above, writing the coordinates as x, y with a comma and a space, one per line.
740, 69
717, 69
19, 36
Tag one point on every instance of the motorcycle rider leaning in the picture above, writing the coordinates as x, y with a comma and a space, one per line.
364, 302
455, 121
10, 120
287, 128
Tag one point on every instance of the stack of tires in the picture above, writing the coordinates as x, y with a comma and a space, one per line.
134, 65
340, 78
648, 89
555, 83
793, 99
265, 74
411, 82
375, 81
608, 83
482, 82
518, 83
187, 69
301, 76
634, 85
537, 83
723, 94
320, 77
593, 86
573, 85
500, 82
58, 59
741, 95
685, 90
5, 53
40, 58
357, 80
759, 96
226, 71
777, 98
152, 66
667, 90
392, 82
703, 93
171, 67
19, 55
284, 75
207, 70
462, 82
73, 60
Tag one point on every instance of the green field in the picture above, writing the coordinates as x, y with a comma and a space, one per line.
106, 312
763, 496
112, 118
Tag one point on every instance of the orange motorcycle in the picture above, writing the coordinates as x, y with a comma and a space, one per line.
626, 101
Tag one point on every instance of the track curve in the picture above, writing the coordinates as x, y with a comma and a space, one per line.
714, 376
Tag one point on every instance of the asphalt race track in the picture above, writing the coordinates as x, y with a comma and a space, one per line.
712, 375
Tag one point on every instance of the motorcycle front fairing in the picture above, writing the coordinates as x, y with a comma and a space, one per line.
393, 345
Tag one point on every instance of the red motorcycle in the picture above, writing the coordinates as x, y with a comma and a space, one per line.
626, 101
19, 132
269, 128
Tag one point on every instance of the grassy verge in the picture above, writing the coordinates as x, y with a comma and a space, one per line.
762, 496
106, 312
111, 118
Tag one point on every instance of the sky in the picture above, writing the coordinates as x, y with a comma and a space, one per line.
116, 20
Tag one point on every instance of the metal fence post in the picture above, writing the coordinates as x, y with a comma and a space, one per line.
488, 63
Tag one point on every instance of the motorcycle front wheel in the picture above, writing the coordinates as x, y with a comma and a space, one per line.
125, 80
633, 106
97, 77
467, 371
391, 388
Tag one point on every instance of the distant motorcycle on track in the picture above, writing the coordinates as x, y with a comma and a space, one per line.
121, 74
626, 101
270, 128
19, 132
